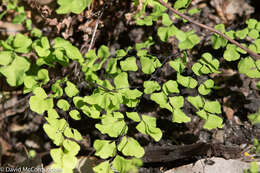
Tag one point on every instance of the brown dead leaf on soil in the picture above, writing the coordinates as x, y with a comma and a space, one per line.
228, 9
229, 112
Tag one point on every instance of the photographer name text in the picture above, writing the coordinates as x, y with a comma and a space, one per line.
30, 169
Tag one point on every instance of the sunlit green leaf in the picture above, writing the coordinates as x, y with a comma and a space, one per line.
196, 101
189, 41
196, 68
205, 87
257, 44
112, 66
129, 64
149, 42
74, 6
242, 50
213, 122
258, 85
254, 167
203, 114
112, 125
63, 104
151, 86
52, 113
71, 146
133, 116
162, 32
178, 65
165, 32
40, 105
247, 66
231, 34
130, 147
218, 41
121, 81
132, 94
131, 102
72, 133
257, 26
179, 116
56, 88
148, 21
193, 11
161, 99
39, 102
231, 53
209, 65
74, 114
71, 89
253, 48
253, 33
43, 75
126, 165
56, 155
212, 107
255, 118
36, 32
104, 148
148, 126
54, 134
22, 43
5, 57
208, 62
170, 87
41, 51
72, 52
69, 162
148, 65
186, 81
20, 18
177, 101
7, 44
103, 167
181, 3
251, 23
242, 33
103, 52
166, 19
15, 72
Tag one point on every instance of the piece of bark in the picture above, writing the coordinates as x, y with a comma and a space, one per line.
158, 154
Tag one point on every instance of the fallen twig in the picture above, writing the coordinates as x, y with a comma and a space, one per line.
10, 27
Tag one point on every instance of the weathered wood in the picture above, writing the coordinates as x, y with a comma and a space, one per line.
160, 154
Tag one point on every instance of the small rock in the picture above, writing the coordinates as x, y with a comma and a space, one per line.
216, 165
